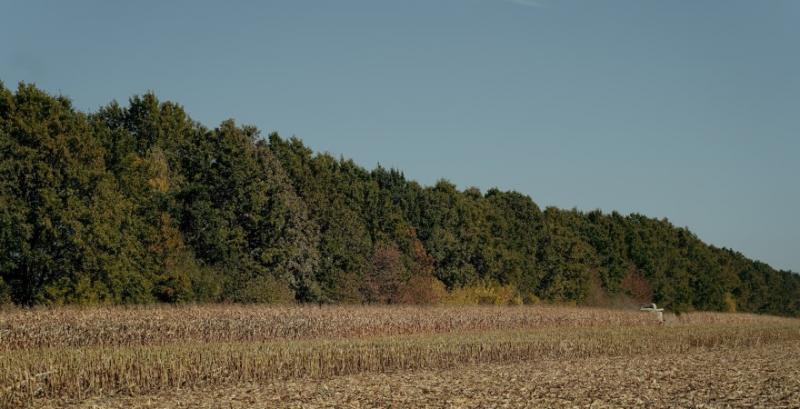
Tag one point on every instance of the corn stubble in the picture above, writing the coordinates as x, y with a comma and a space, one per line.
712, 378
69, 355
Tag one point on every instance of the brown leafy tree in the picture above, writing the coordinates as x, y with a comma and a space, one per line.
385, 275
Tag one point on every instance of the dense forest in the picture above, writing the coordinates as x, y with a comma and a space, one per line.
140, 203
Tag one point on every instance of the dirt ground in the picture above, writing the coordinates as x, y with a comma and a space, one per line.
765, 376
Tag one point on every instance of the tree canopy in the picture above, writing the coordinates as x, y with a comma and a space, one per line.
140, 203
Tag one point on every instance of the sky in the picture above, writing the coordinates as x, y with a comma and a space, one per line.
685, 109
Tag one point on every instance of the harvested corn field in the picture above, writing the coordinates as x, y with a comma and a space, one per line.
392, 356
765, 376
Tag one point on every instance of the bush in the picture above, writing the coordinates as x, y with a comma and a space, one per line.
422, 289
206, 284
5, 293
529, 298
80, 290
485, 294
264, 289
174, 287
730, 303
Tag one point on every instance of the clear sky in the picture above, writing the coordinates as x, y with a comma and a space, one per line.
688, 109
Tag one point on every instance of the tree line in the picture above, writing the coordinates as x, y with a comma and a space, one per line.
140, 203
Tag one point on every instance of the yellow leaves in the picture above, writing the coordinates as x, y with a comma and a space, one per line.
730, 302
422, 289
154, 169
159, 184
485, 294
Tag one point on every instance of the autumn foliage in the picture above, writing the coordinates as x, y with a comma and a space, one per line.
139, 203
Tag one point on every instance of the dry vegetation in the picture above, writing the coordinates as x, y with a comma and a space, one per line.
114, 355
766, 377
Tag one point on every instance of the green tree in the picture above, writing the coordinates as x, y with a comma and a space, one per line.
70, 220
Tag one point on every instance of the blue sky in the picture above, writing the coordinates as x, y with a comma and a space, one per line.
688, 110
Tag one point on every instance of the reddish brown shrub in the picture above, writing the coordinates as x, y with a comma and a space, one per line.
422, 289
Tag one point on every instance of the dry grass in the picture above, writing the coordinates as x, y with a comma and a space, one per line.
73, 354
759, 377
157, 325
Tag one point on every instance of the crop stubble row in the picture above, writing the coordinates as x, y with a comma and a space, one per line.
189, 348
